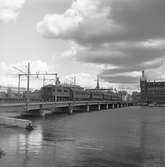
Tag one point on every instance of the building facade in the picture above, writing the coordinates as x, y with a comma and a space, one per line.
152, 92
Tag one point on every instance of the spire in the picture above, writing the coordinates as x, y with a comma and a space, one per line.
143, 74
143, 78
98, 85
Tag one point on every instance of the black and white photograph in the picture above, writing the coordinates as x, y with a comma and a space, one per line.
82, 83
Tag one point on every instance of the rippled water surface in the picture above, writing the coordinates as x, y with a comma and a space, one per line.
126, 137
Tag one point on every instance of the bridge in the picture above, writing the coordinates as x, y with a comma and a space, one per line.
42, 108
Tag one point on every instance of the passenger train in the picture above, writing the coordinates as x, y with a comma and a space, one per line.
51, 93
62, 93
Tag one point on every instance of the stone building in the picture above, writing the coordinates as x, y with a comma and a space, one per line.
152, 92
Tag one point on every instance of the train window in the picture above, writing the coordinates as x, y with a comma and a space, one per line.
59, 90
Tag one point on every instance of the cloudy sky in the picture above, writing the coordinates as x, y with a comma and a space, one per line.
113, 38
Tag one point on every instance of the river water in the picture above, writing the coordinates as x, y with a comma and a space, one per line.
125, 137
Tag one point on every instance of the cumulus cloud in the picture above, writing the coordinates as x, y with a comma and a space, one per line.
73, 23
127, 34
101, 21
9, 9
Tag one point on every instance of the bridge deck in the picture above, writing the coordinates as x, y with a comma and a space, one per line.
61, 103
25, 107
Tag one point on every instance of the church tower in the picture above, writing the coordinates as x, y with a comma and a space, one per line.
143, 87
98, 85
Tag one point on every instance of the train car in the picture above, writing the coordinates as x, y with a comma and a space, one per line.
47, 93
116, 97
96, 96
107, 96
61, 93
66, 93
55, 93
112, 96
79, 94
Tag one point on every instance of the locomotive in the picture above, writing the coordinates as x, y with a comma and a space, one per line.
74, 93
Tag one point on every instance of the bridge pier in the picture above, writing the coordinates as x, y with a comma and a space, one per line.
99, 107
88, 108
70, 109
107, 106
115, 105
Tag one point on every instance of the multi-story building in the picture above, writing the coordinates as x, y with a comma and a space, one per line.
152, 92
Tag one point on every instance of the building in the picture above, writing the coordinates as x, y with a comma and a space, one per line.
152, 92
55, 93
136, 97
124, 95
32, 96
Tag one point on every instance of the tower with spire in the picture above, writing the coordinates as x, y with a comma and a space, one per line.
98, 85
143, 78
143, 87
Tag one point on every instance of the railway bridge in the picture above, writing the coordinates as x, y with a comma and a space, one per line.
42, 108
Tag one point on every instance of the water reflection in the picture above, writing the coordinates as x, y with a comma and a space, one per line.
20, 142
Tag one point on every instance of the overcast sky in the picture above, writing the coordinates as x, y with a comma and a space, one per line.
113, 38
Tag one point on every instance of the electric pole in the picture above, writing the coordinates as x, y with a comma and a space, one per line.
28, 84
28, 77
19, 80
74, 80
28, 74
